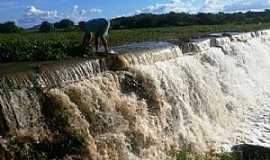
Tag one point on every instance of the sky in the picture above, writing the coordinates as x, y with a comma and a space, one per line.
27, 13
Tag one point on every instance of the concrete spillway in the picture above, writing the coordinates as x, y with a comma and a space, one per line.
149, 99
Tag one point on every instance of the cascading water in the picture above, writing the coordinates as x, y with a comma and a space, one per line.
142, 103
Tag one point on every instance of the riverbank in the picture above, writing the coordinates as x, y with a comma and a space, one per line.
32, 46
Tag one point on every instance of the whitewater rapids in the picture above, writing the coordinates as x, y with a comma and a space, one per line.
153, 98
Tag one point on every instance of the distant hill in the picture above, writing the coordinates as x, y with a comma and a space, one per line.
33, 29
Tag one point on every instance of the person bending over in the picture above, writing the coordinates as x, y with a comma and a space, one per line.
97, 28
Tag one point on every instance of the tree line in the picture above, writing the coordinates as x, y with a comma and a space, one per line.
149, 20
64, 24
9, 27
186, 19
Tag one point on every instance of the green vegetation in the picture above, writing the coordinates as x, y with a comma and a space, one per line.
46, 27
34, 46
9, 27
91, 117
185, 19
189, 155
62, 39
65, 24
41, 46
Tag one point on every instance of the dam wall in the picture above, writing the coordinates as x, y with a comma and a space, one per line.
142, 103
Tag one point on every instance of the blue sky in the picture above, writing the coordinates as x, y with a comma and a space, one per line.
31, 12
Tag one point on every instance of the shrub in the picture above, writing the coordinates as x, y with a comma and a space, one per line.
46, 27
9, 27
64, 24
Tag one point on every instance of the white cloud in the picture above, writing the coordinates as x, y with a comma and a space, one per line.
234, 5
123, 15
34, 15
246, 5
213, 6
33, 11
95, 10
79, 14
171, 6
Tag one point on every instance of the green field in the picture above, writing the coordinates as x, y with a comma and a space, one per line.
33, 46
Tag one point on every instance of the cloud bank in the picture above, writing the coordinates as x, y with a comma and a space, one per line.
34, 15
212, 6
79, 14
171, 6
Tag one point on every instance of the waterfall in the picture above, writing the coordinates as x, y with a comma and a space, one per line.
148, 100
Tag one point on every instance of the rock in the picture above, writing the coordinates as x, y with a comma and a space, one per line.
248, 151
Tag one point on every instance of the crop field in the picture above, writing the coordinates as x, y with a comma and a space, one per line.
33, 46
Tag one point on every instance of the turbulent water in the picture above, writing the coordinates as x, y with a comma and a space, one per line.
144, 102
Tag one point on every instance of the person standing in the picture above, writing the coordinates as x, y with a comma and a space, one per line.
97, 28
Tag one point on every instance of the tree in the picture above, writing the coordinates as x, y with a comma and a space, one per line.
186, 19
46, 27
64, 24
9, 27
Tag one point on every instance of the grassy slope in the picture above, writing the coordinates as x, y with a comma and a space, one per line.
138, 35
29, 46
